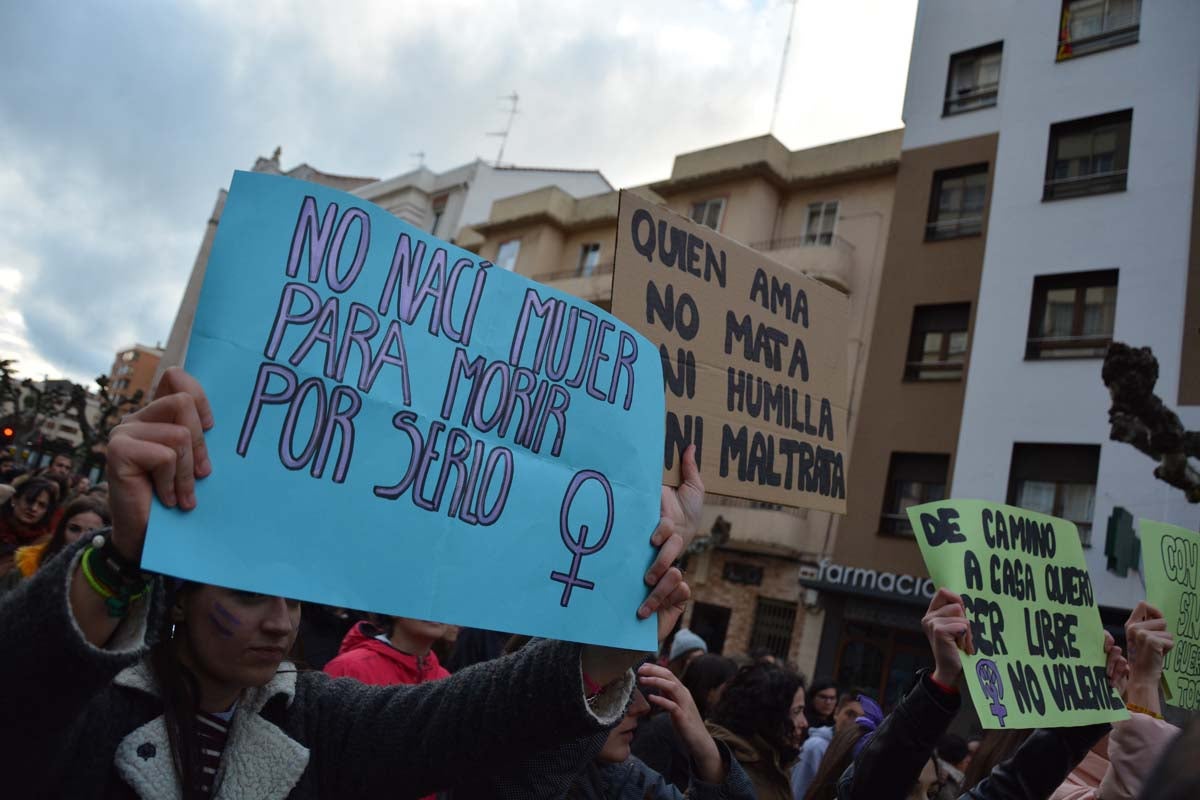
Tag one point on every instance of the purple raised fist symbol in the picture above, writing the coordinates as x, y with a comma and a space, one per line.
580, 547
993, 687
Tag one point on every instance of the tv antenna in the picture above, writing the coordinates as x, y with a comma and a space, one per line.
787, 45
420, 157
512, 112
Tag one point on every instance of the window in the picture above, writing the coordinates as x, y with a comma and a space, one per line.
773, 623
710, 622
913, 478
742, 573
709, 212
589, 257
506, 255
129, 355
937, 347
439, 210
1089, 26
974, 79
1088, 156
880, 657
1072, 315
956, 203
1056, 479
821, 219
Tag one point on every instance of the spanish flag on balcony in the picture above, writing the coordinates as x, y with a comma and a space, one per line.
1064, 36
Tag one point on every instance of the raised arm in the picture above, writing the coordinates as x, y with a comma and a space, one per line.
890, 764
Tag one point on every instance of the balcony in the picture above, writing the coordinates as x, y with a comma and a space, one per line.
593, 285
830, 261
764, 528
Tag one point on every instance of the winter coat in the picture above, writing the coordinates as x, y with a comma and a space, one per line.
633, 780
367, 659
1115, 768
87, 722
660, 747
760, 761
809, 761
891, 762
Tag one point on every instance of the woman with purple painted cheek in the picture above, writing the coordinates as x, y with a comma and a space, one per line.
161, 689
231, 640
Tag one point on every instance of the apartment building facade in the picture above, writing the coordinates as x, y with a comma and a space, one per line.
824, 211
133, 370
1087, 244
1044, 207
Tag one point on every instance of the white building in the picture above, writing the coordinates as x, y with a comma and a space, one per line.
444, 203
1090, 232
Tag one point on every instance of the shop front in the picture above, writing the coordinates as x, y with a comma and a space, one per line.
871, 637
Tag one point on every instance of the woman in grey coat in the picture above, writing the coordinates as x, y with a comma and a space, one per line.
107, 694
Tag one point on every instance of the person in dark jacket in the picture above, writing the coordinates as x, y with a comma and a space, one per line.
182, 691
617, 774
657, 741
822, 704
474, 645
900, 750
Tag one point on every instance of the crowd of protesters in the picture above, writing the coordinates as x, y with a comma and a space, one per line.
120, 684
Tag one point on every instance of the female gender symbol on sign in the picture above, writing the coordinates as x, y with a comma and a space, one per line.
580, 547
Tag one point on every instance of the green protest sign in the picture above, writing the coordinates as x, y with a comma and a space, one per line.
1039, 643
1171, 559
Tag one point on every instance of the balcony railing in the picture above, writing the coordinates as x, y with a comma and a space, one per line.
971, 99
953, 228
1114, 37
933, 370
1047, 347
578, 272
1083, 185
808, 240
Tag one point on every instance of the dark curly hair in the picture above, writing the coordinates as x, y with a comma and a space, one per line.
758, 702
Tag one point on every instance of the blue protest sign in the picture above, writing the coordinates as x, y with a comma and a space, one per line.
404, 428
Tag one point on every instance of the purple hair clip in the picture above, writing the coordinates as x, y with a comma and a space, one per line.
869, 721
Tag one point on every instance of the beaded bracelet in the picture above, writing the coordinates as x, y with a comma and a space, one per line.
114, 580
1136, 709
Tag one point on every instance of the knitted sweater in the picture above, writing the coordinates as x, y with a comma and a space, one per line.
85, 722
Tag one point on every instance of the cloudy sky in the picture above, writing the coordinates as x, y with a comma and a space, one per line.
120, 121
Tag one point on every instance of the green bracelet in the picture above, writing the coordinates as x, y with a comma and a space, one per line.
117, 589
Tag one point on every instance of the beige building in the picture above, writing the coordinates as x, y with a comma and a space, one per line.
824, 211
133, 370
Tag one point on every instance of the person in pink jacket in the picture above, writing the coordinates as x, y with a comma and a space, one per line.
403, 653
1116, 766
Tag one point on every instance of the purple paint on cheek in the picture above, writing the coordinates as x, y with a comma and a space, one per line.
227, 614
219, 625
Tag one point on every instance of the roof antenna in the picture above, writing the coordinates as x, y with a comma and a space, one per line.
787, 45
512, 112
420, 157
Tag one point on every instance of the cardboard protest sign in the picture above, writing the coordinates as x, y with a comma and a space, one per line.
1171, 559
753, 356
1039, 643
402, 427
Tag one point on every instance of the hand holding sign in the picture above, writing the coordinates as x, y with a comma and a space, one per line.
681, 509
946, 628
1171, 562
1037, 654
158, 449
1148, 641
